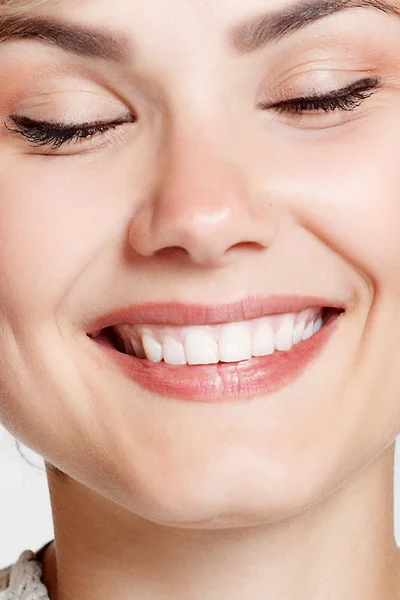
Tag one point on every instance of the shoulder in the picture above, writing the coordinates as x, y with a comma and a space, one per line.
24, 576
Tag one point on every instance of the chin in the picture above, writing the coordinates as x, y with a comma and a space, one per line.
227, 495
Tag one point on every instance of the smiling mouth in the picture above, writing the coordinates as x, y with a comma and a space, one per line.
215, 353
231, 342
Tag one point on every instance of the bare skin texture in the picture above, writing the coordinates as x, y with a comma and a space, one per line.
205, 197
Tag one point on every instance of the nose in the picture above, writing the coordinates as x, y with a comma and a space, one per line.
203, 205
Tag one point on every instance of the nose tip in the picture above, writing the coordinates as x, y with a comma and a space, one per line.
208, 238
202, 209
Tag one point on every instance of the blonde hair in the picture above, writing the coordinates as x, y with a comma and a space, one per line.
12, 7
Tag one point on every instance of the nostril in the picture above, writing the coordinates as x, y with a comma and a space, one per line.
254, 246
172, 252
205, 255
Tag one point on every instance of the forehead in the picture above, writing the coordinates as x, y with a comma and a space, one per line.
215, 10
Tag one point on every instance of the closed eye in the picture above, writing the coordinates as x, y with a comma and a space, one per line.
52, 135
344, 99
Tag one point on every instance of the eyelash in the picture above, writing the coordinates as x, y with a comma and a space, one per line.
345, 99
55, 135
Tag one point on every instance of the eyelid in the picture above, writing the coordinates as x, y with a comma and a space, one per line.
324, 111
360, 86
287, 93
53, 135
25, 121
76, 100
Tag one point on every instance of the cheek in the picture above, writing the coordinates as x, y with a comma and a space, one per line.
55, 221
350, 198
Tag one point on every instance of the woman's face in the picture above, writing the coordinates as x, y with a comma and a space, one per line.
235, 150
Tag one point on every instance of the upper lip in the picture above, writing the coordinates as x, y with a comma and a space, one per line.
179, 313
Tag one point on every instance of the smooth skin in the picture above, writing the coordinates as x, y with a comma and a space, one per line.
205, 197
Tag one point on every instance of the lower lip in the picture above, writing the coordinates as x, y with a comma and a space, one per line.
223, 382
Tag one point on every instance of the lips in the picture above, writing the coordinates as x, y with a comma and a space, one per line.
222, 382
178, 313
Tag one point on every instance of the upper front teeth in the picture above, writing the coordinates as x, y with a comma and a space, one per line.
210, 344
235, 343
173, 351
152, 348
201, 348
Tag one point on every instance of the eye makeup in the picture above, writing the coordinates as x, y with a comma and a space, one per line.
346, 98
53, 135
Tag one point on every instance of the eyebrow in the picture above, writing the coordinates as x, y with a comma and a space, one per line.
249, 36
88, 42
256, 33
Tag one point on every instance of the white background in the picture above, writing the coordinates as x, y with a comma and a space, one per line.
25, 513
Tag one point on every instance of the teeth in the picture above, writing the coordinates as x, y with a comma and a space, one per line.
235, 344
173, 351
308, 332
201, 348
317, 325
228, 343
263, 341
298, 332
152, 348
284, 336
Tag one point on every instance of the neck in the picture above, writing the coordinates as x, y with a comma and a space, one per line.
343, 548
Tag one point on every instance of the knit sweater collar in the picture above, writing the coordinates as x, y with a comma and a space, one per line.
22, 580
